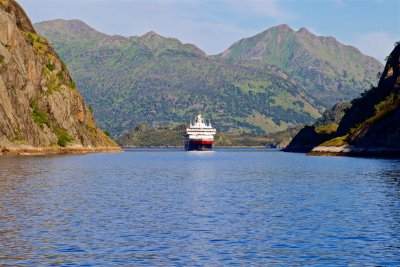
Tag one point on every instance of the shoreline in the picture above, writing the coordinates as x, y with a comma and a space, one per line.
35, 151
353, 151
123, 147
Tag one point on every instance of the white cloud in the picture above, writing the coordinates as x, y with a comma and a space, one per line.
375, 44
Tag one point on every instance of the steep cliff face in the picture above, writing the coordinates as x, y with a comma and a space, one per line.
371, 126
364, 107
39, 105
382, 127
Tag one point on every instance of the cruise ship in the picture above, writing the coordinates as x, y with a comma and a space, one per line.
199, 136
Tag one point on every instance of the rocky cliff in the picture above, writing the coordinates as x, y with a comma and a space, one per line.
371, 126
40, 109
322, 130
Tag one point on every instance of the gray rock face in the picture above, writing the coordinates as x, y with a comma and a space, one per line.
39, 105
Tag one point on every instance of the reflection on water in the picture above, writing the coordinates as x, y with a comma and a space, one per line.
229, 207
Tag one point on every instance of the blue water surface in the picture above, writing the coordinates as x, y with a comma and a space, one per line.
166, 207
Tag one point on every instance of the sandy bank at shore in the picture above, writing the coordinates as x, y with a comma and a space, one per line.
355, 151
29, 150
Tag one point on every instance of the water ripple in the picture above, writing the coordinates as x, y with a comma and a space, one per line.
235, 208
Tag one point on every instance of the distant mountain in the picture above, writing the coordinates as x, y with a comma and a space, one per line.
40, 109
161, 81
329, 70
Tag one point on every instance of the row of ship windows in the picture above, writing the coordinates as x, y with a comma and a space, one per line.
200, 131
210, 129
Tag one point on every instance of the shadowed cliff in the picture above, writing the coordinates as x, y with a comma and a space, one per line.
371, 126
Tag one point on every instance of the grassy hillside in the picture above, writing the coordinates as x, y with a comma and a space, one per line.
331, 71
145, 136
161, 82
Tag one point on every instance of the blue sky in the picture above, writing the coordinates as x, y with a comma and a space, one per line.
213, 25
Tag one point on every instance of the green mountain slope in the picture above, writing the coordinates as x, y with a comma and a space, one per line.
160, 81
330, 70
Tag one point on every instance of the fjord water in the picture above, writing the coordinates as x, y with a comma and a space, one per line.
229, 207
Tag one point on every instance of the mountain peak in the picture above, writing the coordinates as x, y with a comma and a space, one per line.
282, 27
75, 24
67, 26
152, 35
304, 31
302, 53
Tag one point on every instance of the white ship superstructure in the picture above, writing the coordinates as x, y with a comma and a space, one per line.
199, 135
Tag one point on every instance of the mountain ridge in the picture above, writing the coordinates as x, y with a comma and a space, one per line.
83, 24
322, 63
162, 81
301, 30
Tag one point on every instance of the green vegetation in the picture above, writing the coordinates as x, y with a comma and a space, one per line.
337, 141
63, 66
388, 104
41, 118
384, 109
281, 139
40, 45
324, 129
60, 75
51, 67
327, 129
146, 136
19, 138
252, 86
56, 80
334, 114
12, 86
71, 84
38, 115
63, 137
372, 120
160, 81
53, 84
2, 58
228, 139
323, 65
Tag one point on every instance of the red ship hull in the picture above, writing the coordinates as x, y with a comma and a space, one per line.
199, 145
200, 142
